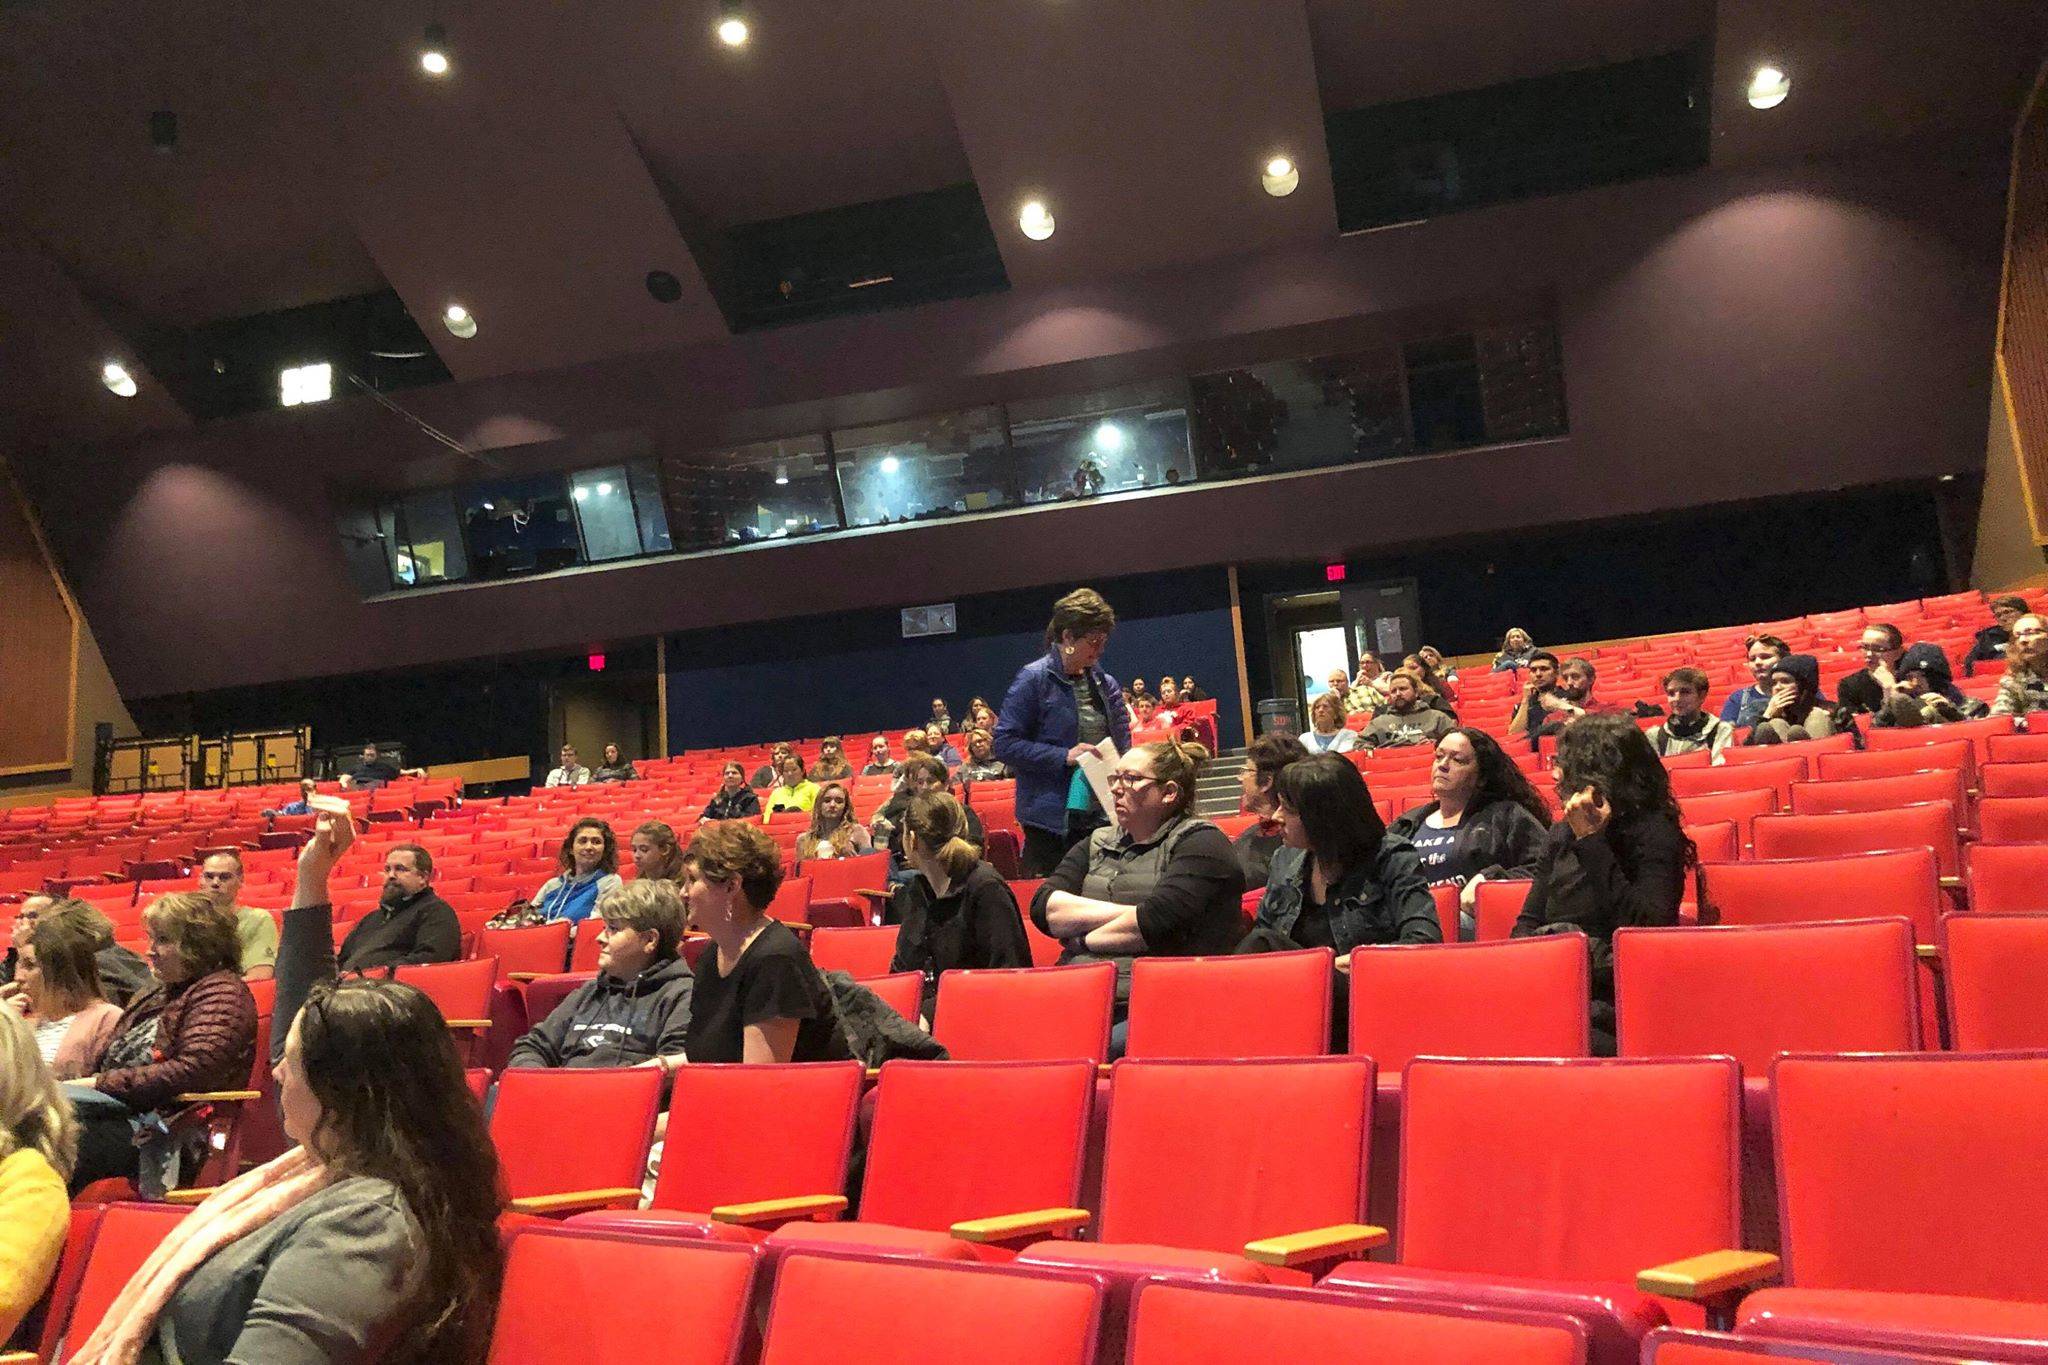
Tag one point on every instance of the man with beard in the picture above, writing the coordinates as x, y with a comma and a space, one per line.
1574, 698
410, 924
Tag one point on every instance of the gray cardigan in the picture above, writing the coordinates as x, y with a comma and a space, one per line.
322, 1283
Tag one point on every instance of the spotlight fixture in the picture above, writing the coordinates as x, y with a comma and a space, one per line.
604, 490
782, 476
434, 51
459, 320
302, 384
1768, 88
890, 464
117, 379
732, 24
1281, 177
1034, 220
582, 493
1109, 438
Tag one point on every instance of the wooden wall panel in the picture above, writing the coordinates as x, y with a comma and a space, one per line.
2023, 306
38, 646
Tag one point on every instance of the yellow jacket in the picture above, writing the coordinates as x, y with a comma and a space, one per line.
34, 1216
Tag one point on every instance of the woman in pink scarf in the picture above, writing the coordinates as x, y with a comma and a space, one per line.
375, 1238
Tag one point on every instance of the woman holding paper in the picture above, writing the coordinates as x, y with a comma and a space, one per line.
1061, 706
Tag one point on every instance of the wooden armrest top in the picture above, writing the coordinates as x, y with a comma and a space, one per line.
524, 976
18, 1358
1009, 1227
1708, 1275
1927, 952
881, 893
780, 1210
469, 1023
571, 1201
1316, 1244
1951, 883
198, 1194
217, 1096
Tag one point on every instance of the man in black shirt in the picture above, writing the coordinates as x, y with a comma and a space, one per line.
372, 771
1866, 689
410, 924
1991, 641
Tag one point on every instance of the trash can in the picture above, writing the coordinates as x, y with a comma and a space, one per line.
1279, 716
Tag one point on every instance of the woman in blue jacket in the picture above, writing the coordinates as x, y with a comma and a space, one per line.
589, 867
1059, 707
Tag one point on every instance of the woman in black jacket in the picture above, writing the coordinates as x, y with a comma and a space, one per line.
1486, 824
1618, 857
1341, 881
957, 911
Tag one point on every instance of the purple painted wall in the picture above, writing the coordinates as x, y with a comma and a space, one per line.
1726, 336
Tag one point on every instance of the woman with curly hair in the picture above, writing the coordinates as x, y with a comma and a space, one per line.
1618, 857
588, 863
1486, 823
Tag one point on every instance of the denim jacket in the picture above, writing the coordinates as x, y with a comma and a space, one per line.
1387, 901
1038, 724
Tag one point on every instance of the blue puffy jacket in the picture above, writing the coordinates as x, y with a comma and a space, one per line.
1038, 724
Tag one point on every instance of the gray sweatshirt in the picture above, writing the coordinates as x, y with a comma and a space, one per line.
610, 1022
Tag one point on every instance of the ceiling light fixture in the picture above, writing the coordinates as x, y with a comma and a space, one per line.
1109, 438
582, 493
890, 464
117, 379
604, 490
302, 384
434, 51
1034, 220
781, 476
1281, 177
459, 320
733, 30
1768, 88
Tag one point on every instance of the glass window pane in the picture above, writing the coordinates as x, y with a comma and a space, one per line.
604, 509
519, 526
766, 491
433, 550
1300, 414
1107, 442
369, 545
929, 467
643, 478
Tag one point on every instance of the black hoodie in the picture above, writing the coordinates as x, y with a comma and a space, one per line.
612, 1022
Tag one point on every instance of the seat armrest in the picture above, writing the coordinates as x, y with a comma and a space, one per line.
877, 893
468, 1023
1018, 1227
18, 1358
523, 977
1928, 952
1316, 1244
1715, 1280
217, 1097
575, 1201
780, 1210
198, 1194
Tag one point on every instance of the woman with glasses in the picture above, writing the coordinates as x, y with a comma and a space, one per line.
1160, 880
1061, 705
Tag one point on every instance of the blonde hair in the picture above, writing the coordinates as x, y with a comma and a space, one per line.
1176, 761
939, 825
203, 933
34, 1115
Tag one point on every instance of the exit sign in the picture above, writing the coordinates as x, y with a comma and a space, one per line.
1333, 573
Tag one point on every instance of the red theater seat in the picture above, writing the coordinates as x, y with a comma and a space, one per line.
1930, 824
1256, 1005
859, 950
1914, 1204
1027, 1013
559, 1303
126, 1235
548, 1172
2007, 877
2013, 819
538, 950
1512, 998
1996, 972
1495, 907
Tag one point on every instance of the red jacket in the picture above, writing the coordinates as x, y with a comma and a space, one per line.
205, 1040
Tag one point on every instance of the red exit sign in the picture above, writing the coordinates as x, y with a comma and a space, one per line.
1333, 573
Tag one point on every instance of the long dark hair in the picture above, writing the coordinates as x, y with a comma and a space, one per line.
395, 1106
1612, 754
1499, 778
565, 856
1343, 826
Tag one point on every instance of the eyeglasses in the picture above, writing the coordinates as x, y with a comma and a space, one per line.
1128, 780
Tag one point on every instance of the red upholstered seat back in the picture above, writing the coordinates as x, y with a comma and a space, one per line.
1027, 1014
1521, 997
1257, 1005
559, 1304
858, 1309
765, 1131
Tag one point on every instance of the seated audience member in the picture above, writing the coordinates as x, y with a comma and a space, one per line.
410, 925
1796, 709
1434, 657
25, 913
2024, 688
1618, 857
1342, 881
373, 771
1169, 693
940, 747
220, 877
940, 717
1573, 698
301, 806
1925, 692
1160, 880
981, 716
914, 742
879, 763
568, 772
1486, 822
38, 1143
1516, 650
657, 856
1688, 726
1865, 691
1138, 688
195, 1030
757, 997
1367, 693
58, 991
793, 792
1144, 712
1435, 692
957, 911
589, 867
1993, 641
615, 768
832, 765
375, 1237
1190, 691
123, 974
1258, 843
982, 765
1326, 733
1539, 695
1404, 720
734, 799
834, 833
1337, 684
769, 773
637, 1011
921, 773
1745, 706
